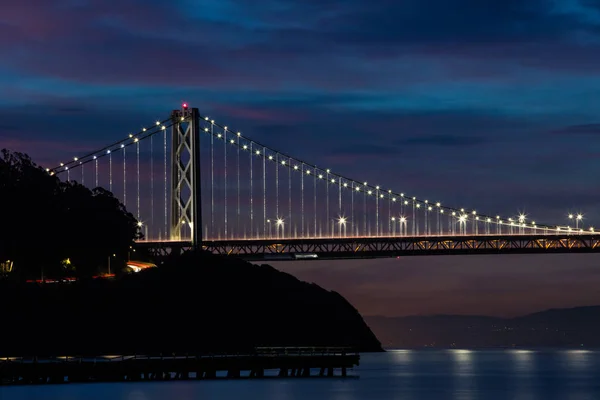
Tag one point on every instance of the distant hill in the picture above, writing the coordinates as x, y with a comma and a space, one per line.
201, 303
573, 327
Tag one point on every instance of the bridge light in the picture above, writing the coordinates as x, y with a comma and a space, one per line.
591, 229
122, 145
140, 223
370, 192
497, 217
453, 213
239, 134
62, 165
358, 189
405, 202
418, 206
430, 208
438, 205
143, 129
131, 135
365, 183
163, 127
393, 219
474, 212
328, 171
308, 172
206, 118
401, 194
66, 168
462, 210
270, 157
441, 211
212, 121
342, 220
136, 140
320, 176
47, 169
94, 157
257, 152
570, 216
488, 220
579, 217
219, 135
279, 221
377, 187
282, 162
231, 141
157, 123
390, 191
393, 199
224, 128
107, 151
381, 196
184, 105
477, 218
245, 147
205, 129
462, 218
426, 201
402, 219
75, 158
183, 118
345, 184
414, 198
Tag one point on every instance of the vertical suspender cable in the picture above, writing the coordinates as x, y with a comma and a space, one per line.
165, 181
290, 198
110, 171
124, 175
264, 171
251, 194
302, 199
151, 181
138, 178
238, 187
225, 179
212, 181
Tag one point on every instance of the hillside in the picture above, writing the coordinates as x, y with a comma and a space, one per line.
201, 303
574, 327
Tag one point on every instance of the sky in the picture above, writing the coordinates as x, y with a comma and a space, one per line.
483, 103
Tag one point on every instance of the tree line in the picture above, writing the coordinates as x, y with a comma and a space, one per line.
53, 228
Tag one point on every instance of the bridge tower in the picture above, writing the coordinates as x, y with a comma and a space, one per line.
186, 209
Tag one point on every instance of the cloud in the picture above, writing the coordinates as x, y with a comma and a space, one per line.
585, 130
445, 141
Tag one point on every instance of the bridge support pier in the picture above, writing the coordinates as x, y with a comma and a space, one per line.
186, 209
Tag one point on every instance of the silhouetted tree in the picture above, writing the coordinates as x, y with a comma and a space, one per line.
45, 221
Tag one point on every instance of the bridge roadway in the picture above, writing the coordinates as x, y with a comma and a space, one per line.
383, 247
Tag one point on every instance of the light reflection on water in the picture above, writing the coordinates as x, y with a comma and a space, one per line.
396, 375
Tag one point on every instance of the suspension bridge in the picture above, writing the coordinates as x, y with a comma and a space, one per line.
193, 182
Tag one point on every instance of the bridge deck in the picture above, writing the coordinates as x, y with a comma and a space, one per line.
373, 247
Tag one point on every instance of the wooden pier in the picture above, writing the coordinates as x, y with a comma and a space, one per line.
282, 362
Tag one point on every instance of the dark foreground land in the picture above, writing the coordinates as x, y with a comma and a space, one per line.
559, 328
201, 304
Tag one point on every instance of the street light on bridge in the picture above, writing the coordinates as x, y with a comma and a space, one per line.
342, 224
